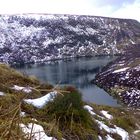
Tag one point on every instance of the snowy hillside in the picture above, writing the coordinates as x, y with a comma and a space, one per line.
38, 38
122, 77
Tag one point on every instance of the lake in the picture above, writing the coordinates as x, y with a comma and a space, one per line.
77, 72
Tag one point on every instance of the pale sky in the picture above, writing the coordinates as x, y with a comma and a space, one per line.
109, 8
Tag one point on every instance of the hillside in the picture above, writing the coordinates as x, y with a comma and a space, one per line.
31, 110
121, 78
36, 38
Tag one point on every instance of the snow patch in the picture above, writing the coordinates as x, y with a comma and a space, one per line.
132, 41
24, 89
122, 133
121, 64
89, 109
40, 102
100, 138
108, 137
137, 131
36, 130
120, 70
116, 130
2, 93
22, 114
105, 113
127, 75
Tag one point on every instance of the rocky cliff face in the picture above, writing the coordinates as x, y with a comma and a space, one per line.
35, 38
122, 77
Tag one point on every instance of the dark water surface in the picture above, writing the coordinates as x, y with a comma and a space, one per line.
77, 72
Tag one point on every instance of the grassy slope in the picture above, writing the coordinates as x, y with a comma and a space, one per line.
12, 104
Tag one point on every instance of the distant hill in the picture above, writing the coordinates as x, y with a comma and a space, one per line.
31, 38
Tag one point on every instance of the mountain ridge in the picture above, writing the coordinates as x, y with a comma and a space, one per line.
45, 14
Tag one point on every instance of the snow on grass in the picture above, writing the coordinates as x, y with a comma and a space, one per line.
35, 131
137, 131
116, 130
120, 70
89, 109
108, 137
24, 89
22, 114
2, 93
122, 133
105, 113
105, 127
100, 138
40, 102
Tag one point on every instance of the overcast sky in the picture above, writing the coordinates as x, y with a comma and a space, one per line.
110, 8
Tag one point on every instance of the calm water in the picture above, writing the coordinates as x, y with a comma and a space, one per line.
77, 72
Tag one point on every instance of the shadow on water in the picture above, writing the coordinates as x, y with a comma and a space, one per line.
77, 72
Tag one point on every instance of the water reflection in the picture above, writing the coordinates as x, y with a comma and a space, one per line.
77, 72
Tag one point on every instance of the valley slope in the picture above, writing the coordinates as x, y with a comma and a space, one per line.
37, 38
121, 78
